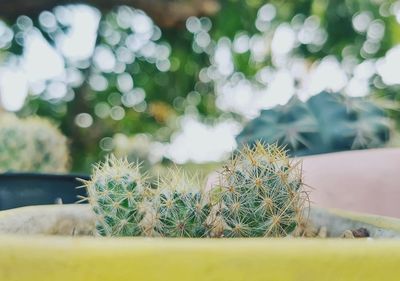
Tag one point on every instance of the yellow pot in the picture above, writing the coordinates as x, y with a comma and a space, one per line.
101, 259
45, 257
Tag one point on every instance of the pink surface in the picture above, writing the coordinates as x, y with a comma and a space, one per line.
363, 181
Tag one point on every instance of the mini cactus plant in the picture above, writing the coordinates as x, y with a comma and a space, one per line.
125, 205
32, 144
327, 122
117, 193
181, 206
260, 195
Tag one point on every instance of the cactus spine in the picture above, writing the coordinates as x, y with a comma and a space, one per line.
32, 144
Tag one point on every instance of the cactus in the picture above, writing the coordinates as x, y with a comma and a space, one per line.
32, 144
12, 144
181, 206
50, 151
125, 205
325, 123
117, 193
260, 195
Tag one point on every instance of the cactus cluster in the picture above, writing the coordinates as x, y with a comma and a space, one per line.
327, 122
32, 144
259, 194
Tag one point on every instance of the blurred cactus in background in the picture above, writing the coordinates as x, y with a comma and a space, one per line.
50, 150
261, 194
138, 148
13, 143
32, 144
327, 122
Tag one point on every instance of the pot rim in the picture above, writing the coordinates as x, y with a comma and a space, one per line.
44, 175
45, 258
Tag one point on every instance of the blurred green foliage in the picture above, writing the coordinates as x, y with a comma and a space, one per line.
176, 83
327, 122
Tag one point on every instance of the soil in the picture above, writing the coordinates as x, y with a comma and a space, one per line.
309, 231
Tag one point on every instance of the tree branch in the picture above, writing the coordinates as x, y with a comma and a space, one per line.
166, 13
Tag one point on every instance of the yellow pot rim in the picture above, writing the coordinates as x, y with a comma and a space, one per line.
149, 259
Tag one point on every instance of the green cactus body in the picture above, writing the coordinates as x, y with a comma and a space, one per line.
32, 144
181, 207
49, 147
327, 122
12, 145
117, 193
261, 194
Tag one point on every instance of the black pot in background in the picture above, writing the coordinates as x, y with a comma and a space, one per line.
24, 189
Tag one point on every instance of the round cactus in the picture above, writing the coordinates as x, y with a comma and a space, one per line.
49, 146
12, 145
181, 206
260, 194
117, 192
33, 144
